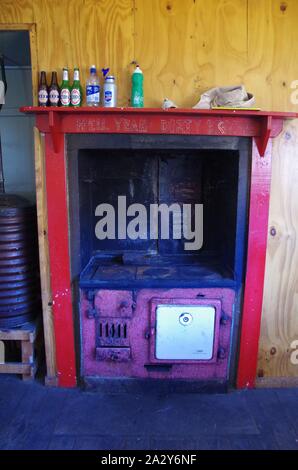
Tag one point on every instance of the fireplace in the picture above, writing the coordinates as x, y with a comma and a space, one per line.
147, 308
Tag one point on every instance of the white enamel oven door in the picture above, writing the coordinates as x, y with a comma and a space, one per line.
184, 330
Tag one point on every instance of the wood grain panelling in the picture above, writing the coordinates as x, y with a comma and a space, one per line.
41, 204
16, 11
79, 33
272, 52
280, 308
184, 48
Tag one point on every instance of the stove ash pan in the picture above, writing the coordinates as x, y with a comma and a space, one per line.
155, 333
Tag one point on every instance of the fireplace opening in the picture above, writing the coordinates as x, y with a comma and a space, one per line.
159, 177
138, 298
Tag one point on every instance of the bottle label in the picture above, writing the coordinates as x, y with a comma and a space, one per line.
43, 96
138, 100
75, 97
65, 97
108, 96
54, 97
92, 93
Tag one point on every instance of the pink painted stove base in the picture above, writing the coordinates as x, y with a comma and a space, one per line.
110, 301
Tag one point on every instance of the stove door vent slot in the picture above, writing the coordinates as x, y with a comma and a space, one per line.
112, 332
112, 340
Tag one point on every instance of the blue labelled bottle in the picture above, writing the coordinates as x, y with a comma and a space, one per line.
137, 94
110, 92
92, 88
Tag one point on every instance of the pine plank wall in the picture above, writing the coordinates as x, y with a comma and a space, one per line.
185, 47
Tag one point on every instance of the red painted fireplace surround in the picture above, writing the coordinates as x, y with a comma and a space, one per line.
56, 123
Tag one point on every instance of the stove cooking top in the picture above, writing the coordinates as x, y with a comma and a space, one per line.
101, 273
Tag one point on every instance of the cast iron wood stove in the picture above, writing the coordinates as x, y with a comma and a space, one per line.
133, 292
146, 308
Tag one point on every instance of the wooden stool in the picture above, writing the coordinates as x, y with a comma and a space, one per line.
27, 335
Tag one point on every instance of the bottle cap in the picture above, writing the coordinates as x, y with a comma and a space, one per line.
93, 68
138, 69
105, 72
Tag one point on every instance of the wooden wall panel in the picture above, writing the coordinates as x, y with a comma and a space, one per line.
79, 33
280, 307
184, 48
46, 294
272, 52
16, 11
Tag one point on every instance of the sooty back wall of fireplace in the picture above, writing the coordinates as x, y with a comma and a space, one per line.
162, 177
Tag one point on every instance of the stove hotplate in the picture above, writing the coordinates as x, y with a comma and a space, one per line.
112, 273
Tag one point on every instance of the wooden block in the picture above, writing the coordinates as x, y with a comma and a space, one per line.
25, 333
51, 381
42, 220
15, 368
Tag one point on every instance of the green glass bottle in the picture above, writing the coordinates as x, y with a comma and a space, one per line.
76, 93
137, 94
65, 89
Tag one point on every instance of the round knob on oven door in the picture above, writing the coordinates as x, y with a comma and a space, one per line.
185, 319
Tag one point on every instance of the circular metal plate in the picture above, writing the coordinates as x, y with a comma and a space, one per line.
32, 290
19, 284
10, 270
17, 245
15, 301
16, 236
13, 322
18, 220
29, 275
19, 309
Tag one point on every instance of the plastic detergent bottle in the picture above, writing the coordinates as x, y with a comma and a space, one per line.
92, 88
137, 94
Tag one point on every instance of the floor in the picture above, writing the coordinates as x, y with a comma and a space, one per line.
35, 417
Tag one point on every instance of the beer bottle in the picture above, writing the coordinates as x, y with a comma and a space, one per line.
65, 89
54, 93
76, 93
43, 95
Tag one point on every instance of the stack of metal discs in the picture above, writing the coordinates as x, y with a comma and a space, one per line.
19, 268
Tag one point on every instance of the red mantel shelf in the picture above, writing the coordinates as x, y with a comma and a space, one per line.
262, 127
242, 123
